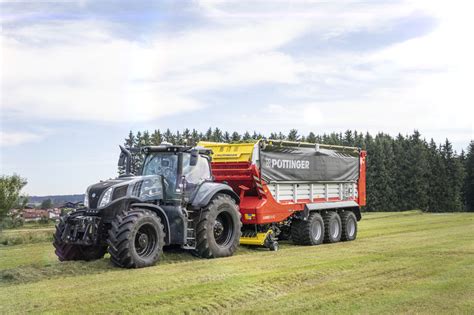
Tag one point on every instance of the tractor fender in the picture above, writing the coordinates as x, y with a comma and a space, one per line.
160, 213
208, 190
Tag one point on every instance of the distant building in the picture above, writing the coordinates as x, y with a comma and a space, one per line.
31, 215
54, 214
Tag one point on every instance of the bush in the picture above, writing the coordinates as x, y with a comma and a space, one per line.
11, 223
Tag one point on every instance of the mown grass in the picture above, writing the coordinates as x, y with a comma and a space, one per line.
401, 263
26, 235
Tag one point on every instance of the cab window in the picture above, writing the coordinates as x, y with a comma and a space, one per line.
197, 173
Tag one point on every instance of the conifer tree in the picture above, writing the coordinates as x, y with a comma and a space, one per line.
401, 173
348, 139
380, 188
235, 137
186, 136
168, 136
417, 173
311, 137
145, 140
469, 180
454, 179
226, 137
217, 135
195, 137
156, 137
208, 136
436, 177
293, 135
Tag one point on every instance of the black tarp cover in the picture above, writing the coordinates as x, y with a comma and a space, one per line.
307, 164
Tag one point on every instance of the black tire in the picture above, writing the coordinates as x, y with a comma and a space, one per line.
285, 233
136, 239
274, 246
332, 227
349, 226
66, 252
309, 232
218, 230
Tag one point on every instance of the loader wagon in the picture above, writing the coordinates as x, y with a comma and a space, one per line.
311, 193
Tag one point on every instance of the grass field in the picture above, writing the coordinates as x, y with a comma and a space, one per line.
401, 263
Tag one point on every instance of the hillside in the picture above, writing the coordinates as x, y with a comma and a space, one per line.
407, 262
56, 199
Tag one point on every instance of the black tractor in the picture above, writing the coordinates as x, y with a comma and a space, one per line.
174, 201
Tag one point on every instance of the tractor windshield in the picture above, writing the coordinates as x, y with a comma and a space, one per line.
165, 164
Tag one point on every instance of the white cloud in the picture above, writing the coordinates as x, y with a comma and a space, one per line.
78, 70
16, 138
423, 83
84, 73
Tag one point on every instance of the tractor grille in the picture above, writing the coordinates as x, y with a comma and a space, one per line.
94, 196
136, 188
120, 192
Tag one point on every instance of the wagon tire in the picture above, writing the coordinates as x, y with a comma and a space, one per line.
308, 232
332, 227
349, 226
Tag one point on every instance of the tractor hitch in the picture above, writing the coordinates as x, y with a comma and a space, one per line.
81, 230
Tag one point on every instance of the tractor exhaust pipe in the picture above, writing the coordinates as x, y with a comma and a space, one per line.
125, 159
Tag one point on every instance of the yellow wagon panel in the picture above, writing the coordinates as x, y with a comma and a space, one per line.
229, 152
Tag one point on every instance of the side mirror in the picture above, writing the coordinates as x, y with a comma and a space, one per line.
194, 158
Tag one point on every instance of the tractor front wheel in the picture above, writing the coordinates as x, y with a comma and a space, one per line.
136, 239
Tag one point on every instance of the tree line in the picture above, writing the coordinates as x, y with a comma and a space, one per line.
403, 172
11, 197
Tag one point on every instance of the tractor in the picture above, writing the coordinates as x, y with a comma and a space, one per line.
172, 201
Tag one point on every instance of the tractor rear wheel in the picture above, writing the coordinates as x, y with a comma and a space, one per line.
332, 227
349, 226
66, 251
218, 230
136, 239
309, 232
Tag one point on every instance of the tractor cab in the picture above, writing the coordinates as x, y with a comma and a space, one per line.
182, 169
171, 173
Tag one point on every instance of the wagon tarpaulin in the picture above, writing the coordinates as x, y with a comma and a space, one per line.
307, 164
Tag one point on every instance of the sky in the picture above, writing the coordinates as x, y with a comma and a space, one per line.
77, 76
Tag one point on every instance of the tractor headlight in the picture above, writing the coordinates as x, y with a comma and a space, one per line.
86, 199
106, 198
